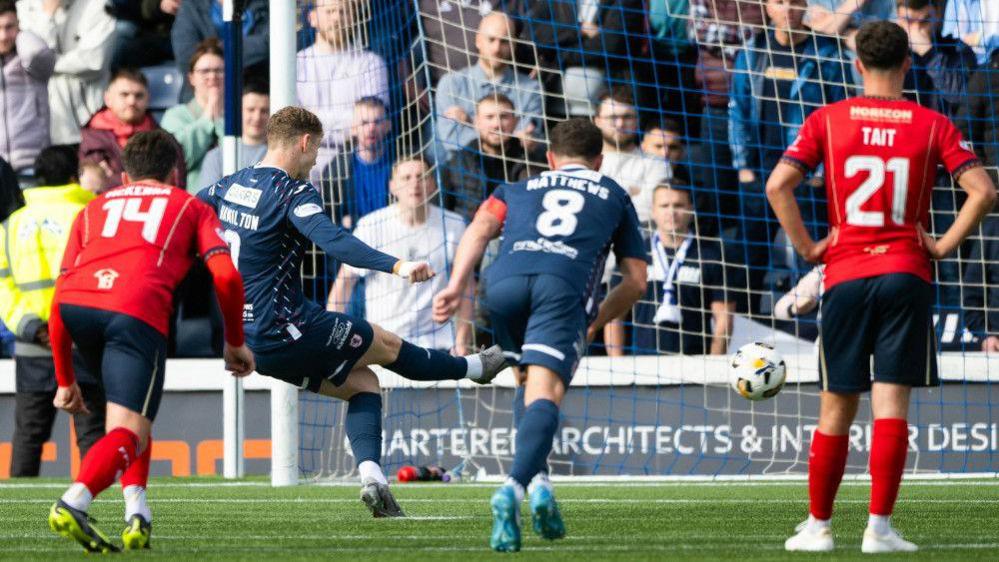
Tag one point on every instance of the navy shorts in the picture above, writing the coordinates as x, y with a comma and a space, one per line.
124, 353
887, 317
538, 320
326, 349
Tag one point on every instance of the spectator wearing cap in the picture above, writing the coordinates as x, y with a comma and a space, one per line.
125, 113
198, 124
81, 33
26, 62
496, 157
459, 91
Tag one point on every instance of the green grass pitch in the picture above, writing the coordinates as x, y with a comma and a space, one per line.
207, 519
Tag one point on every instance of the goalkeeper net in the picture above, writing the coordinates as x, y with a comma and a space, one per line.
702, 95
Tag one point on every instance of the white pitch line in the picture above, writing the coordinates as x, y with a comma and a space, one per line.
560, 484
564, 500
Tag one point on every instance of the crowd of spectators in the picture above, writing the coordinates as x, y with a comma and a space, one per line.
696, 100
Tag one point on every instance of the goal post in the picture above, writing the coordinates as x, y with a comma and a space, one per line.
650, 413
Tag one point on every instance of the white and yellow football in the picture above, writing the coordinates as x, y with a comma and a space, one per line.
758, 371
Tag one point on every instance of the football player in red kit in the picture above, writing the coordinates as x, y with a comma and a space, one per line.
127, 252
881, 155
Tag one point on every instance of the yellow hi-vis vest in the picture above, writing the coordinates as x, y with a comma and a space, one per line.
32, 242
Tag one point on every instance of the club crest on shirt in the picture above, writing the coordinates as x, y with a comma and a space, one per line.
106, 278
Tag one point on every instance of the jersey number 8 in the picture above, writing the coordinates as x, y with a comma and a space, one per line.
559, 218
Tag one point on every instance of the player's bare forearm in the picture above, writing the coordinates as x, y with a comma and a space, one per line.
465, 317
473, 243
981, 198
721, 312
614, 338
621, 298
780, 193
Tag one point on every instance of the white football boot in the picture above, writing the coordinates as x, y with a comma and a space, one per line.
810, 537
890, 541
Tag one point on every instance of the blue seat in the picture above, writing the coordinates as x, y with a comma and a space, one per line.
165, 83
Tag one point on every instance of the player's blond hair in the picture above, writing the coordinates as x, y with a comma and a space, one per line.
290, 123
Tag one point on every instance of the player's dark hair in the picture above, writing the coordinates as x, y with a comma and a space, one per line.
7, 6
57, 165
912, 4
577, 137
882, 45
290, 123
210, 46
130, 74
496, 97
150, 155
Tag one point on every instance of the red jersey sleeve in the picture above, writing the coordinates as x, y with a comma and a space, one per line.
209, 232
805, 152
955, 154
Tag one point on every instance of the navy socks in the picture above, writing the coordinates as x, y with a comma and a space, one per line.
535, 432
422, 364
364, 426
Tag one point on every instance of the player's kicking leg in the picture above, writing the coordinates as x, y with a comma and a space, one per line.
890, 443
423, 364
826, 464
363, 425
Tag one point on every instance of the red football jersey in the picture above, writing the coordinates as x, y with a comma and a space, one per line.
881, 159
132, 246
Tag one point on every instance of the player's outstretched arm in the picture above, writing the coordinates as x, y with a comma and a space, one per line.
634, 273
981, 198
68, 396
485, 226
780, 193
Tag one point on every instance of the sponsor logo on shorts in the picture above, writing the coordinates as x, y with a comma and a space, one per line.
307, 210
105, 278
341, 329
243, 196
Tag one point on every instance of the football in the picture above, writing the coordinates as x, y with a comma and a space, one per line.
758, 371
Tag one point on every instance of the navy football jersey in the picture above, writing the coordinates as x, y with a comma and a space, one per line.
563, 223
269, 219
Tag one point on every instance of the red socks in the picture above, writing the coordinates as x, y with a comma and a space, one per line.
889, 447
108, 458
826, 463
138, 472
